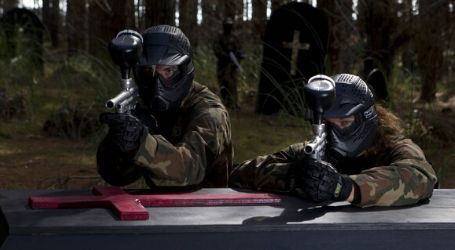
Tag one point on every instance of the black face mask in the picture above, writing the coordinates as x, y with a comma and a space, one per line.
168, 98
159, 94
351, 141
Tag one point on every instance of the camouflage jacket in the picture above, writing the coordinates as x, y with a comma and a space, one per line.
193, 147
399, 176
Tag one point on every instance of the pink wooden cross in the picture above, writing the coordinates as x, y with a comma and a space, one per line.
132, 207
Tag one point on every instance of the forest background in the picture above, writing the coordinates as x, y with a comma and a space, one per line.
53, 87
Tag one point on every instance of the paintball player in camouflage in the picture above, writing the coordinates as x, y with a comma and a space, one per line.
375, 164
228, 52
179, 133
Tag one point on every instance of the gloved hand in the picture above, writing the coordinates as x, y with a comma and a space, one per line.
322, 183
125, 131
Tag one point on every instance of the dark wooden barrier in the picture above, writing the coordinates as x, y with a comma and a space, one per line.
292, 224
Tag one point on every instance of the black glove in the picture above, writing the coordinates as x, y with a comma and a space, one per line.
125, 131
322, 183
146, 117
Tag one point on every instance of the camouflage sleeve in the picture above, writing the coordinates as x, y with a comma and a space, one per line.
185, 162
408, 178
268, 172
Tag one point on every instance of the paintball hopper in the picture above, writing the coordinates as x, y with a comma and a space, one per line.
319, 95
125, 50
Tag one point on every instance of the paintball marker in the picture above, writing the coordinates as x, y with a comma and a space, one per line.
125, 50
235, 61
319, 96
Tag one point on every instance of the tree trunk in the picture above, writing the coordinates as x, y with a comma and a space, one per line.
188, 19
130, 16
159, 12
432, 19
233, 9
51, 20
106, 19
277, 3
259, 16
378, 25
140, 9
98, 19
212, 12
408, 55
118, 18
212, 16
451, 42
46, 14
8, 4
76, 29
55, 26
341, 47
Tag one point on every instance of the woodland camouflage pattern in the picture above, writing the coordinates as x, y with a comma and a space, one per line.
196, 151
399, 176
204, 151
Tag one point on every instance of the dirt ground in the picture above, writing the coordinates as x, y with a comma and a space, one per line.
38, 162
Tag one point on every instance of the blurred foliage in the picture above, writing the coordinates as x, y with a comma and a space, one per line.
73, 119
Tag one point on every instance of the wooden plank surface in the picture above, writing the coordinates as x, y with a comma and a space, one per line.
292, 223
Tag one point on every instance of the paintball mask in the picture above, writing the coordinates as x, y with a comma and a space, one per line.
165, 71
353, 98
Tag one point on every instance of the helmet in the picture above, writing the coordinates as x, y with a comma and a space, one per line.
165, 72
228, 22
353, 98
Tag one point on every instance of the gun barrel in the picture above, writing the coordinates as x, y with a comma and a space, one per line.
234, 60
121, 106
315, 145
114, 102
309, 148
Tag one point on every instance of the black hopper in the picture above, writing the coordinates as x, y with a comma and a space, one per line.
295, 45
